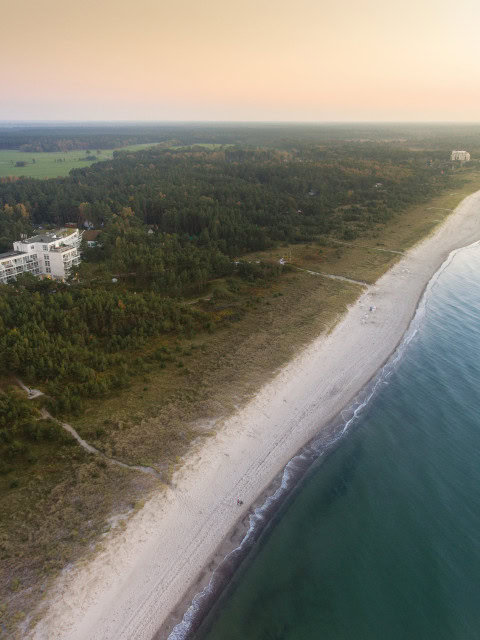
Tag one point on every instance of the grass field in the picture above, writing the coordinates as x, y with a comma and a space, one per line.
54, 164
206, 145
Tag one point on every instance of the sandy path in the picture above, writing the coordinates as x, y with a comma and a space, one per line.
128, 591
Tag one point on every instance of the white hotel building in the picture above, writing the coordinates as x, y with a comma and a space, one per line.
51, 254
463, 156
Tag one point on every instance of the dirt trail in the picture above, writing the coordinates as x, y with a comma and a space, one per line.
91, 449
34, 393
333, 277
31, 393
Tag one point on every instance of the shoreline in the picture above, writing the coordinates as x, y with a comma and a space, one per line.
143, 583
204, 596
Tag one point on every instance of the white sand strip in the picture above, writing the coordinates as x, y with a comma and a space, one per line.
128, 591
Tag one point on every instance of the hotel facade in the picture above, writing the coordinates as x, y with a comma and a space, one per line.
51, 254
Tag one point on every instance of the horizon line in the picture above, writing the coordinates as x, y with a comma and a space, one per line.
274, 122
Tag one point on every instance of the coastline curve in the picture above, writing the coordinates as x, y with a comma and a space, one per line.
296, 469
142, 584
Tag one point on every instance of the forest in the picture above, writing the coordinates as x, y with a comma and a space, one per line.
237, 198
172, 219
72, 339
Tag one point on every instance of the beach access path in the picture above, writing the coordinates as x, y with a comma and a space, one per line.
129, 590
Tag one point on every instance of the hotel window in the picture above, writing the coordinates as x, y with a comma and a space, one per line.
45, 247
48, 270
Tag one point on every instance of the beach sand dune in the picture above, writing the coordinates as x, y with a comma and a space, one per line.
128, 591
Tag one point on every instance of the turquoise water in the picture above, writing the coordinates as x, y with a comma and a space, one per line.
382, 540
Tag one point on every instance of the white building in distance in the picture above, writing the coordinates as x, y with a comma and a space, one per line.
463, 156
51, 254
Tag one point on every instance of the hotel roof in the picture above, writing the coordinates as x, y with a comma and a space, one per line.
50, 236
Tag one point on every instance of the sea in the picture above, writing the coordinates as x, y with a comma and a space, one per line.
380, 540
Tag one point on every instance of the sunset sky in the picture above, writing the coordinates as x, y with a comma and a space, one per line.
303, 60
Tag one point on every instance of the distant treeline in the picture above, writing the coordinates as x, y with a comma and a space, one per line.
284, 136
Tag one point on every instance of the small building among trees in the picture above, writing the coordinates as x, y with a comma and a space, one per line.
90, 236
462, 156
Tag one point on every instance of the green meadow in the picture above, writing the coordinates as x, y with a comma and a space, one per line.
54, 164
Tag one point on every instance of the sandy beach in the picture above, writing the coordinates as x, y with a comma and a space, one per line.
168, 548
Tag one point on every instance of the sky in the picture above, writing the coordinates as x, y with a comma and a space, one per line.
248, 60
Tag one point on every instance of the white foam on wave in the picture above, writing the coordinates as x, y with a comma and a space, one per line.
181, 630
